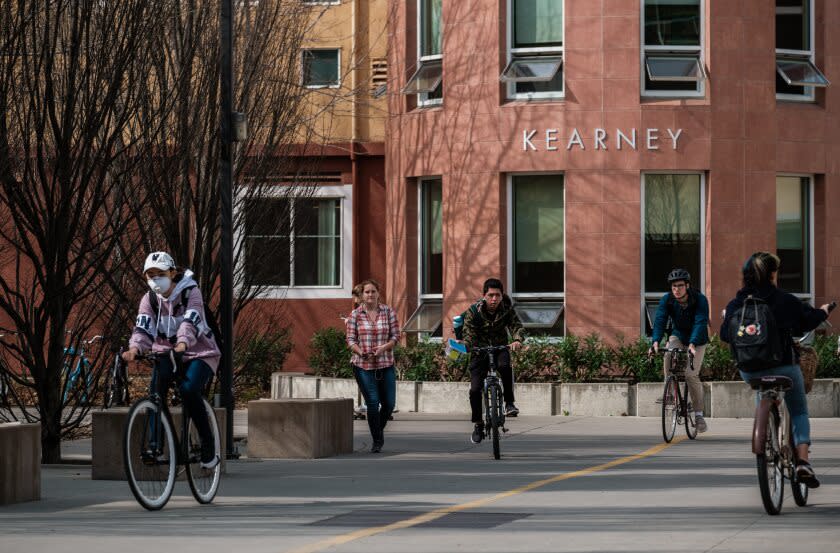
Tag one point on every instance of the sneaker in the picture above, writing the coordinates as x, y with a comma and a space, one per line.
700, 424
211, 464
511, 410
478, 434
805, 474
376, 447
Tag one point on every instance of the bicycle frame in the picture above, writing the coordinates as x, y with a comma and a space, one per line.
769, 398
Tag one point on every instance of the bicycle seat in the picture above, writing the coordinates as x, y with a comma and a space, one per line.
771, 382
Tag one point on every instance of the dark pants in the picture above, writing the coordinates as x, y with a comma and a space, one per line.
197, 373
479, 366
379, 388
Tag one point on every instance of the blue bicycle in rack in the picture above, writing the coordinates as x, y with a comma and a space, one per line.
78, 378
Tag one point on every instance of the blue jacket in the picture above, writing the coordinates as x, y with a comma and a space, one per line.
691, 324
793, 317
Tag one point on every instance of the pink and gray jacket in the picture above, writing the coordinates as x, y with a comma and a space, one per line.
173, 323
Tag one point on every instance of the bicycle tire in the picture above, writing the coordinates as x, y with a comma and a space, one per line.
203, 483
150, 471
495, 421
797, 488
108, 395
769, 466
690, 419
670, 408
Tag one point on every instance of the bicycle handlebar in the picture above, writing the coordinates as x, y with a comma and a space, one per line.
489, 349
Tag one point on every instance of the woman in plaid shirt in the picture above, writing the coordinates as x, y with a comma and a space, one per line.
372, 333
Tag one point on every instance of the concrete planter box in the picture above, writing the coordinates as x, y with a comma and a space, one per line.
443, 397
305, 387
336, 388
300, 428
407, 395
281, 384
537, 398
20, 462
107, 442
649, 399
732, 400
822, 399
594, 400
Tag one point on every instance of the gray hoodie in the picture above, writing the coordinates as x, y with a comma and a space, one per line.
183, 323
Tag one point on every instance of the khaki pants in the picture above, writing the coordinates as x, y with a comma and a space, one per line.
692, 377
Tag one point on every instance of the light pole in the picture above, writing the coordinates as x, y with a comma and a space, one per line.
226, 196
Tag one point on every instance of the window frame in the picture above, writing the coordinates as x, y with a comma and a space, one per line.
537, 297
675, 50
644, 295
810, 95
812, 266
523, 53
420, 238
322, 2
343, 193
423, 99
303, 68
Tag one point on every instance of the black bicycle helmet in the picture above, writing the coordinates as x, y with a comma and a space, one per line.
678, 274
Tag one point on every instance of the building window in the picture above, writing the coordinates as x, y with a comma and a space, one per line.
298, 247
672, 57
537, 250
427, 80
673, 232
427, 318
793, 234
535, 49
796, 74
320, 68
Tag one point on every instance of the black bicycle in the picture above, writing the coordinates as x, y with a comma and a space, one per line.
116, 383
676, 404
153, 453
494, 413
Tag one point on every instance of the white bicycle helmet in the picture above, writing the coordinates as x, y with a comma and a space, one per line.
159, 260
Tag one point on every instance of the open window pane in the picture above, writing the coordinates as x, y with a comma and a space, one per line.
674, 68
538, 219
799, 73
537, 23
533, 69
793, 244
432, 236
793, 23
539, 314
426, 79
426, 318
672, 228
320, 67
672, 23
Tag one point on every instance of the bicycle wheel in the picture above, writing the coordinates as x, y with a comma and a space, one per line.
690, 420
149, 454
495, 421
204, 483
108, 395
670, 408
769, 465
797, 488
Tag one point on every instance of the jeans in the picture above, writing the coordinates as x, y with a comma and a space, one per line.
479, 366
379, 388
795, 399
197, 373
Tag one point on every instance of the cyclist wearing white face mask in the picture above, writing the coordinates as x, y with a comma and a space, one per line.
171, 317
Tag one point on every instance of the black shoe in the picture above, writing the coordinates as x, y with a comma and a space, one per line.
805, 474
511, 410
377, 446
478, 434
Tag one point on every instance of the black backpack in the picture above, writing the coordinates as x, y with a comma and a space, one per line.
185, 295
754, 336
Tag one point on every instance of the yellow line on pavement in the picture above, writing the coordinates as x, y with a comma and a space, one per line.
443, 511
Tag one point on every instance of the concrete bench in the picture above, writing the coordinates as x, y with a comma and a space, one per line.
107, 442
20, 462
300, 428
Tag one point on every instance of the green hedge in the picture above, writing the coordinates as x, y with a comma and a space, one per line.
572, 359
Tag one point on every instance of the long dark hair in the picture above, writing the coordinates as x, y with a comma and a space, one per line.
758, 268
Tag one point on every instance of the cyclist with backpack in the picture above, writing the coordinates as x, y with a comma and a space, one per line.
759, 325
688, 309
171, 317
491, 322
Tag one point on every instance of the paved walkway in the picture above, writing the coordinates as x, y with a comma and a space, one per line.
563, 484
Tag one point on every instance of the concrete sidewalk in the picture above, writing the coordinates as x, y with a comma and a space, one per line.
432, 491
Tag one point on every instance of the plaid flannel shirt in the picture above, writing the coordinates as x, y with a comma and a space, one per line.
367, 334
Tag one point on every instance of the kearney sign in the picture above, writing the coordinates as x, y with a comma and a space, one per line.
650, 139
